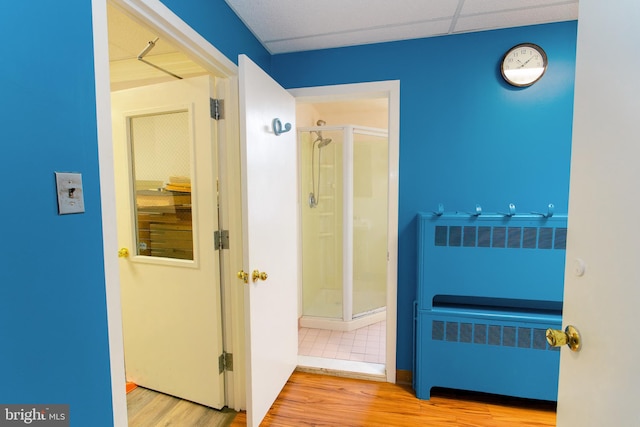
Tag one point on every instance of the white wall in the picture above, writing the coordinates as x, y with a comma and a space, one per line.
366, 112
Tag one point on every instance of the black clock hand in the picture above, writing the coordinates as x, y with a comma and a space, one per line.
526, 62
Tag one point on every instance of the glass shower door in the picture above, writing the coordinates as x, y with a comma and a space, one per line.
370, 189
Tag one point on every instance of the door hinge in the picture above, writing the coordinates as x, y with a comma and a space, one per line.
217, 108
221, 239
225, 362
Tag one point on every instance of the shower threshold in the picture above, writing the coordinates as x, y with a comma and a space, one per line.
361, 321
342, 368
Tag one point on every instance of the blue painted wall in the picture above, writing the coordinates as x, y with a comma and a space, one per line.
466, 137
217, 23
53, 323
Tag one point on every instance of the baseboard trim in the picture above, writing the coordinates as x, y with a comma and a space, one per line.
404, 377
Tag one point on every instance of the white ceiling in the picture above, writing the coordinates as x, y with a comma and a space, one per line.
297, 25
127, 40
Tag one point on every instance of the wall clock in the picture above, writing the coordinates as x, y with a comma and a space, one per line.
523, 64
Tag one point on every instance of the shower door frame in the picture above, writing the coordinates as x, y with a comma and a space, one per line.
348, 159
390, 90
348, 221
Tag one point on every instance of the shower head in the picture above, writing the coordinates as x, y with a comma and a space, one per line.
324, 142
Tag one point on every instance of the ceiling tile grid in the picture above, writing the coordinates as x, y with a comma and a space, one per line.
297, 25
516, 18
361, 36
474, 7
273, 20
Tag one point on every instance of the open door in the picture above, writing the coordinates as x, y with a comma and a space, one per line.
270, 227
165, 172
599, 383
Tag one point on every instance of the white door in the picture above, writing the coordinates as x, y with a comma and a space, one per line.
599, 385
270, 227
165, 157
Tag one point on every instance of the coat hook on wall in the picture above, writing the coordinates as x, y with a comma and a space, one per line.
440, 210
549, 213
276, 124
512, 211
477, 212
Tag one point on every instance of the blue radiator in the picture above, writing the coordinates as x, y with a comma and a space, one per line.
488, 288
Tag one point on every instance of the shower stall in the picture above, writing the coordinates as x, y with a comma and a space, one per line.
344, 208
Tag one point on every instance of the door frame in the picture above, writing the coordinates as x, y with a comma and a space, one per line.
389, 89
155, 15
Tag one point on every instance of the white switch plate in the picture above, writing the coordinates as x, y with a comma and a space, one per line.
70, 194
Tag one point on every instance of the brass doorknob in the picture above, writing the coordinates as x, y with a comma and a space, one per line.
257, 275
242, 275
123, 253
570, 336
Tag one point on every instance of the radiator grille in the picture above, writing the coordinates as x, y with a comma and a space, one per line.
501, 237
490, 334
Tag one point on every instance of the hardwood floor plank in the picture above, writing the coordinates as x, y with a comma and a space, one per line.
137, 399
146, 408
324, 401
153, 411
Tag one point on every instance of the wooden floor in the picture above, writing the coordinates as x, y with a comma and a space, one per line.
148, 408
319, 400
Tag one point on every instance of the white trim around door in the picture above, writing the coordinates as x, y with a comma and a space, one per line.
390, 90
155, 15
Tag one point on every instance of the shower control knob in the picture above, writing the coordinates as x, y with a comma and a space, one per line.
257, 275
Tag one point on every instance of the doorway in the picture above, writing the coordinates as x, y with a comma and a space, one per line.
168, 25
348, 145
166, 214
203, 59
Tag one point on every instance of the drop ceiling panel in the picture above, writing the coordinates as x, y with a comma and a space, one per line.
295, 25
274, 20
357, 37
487, 6
517, 18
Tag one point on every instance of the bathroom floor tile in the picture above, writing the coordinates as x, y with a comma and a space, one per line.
366, 344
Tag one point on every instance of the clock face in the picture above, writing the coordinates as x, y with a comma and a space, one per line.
524, 64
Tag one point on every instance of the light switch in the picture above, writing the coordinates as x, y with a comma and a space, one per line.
70, 194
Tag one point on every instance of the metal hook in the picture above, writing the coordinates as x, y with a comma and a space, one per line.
440, 210
478, 211
512, 210
277, 127
549, 213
